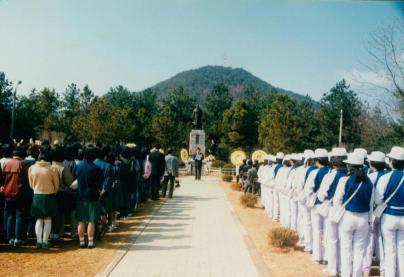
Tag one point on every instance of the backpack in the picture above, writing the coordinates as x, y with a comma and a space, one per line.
11, 176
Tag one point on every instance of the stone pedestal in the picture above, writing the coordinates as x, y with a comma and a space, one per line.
196, 139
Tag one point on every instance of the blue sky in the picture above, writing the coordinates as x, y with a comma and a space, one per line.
303, 46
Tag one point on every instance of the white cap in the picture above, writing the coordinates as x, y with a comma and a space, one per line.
280, 155
377, 156
272, 158
355, 159
296, 157
338, 152
308, 153
362, 151
320, 153
286, 158
396, 153
267, 158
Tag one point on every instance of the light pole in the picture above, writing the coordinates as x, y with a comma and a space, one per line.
13, 113
340, 128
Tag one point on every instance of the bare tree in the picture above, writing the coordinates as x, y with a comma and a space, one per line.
385, 67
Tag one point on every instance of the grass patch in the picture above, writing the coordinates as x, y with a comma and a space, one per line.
227, 178
248, 200
283, 238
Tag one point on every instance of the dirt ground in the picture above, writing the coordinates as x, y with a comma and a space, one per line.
68, 259
257, 224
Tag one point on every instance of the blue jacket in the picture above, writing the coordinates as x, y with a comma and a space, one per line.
89, 178
361, 201
398, 199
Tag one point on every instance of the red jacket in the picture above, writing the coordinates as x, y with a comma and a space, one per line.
11, 177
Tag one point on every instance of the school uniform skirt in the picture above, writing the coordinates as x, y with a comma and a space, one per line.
44, 205
88, 211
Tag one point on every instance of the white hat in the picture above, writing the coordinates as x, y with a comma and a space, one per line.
267, 158
272, 158
396, 153
320, 153
280, 155
308, 153
286, 158
355, 159
377, 156
362, 151
297, 157
338, 152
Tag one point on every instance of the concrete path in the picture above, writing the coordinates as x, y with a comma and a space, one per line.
193, 234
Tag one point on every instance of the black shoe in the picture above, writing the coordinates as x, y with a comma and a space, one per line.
91, 246
84, 245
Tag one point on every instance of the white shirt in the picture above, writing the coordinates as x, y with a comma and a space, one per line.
282, 177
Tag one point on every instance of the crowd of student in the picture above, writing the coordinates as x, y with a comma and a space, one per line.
348, 209
45, 188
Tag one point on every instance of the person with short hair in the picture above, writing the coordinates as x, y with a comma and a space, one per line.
198, 159
170, 173
89, 178
157, 162
44, 181
390, 188
63, 196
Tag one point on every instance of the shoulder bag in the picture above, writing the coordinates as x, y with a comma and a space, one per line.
379, 210
338, 212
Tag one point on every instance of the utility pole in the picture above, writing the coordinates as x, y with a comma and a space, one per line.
13, 113
340, 127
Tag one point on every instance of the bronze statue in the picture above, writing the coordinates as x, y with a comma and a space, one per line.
197, 114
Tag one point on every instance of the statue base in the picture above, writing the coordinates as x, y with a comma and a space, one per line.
196, 139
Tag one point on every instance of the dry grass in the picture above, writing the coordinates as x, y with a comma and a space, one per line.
235, 187
283, 238
227, 178
248, 200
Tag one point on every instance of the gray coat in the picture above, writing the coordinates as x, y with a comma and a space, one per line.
171, 166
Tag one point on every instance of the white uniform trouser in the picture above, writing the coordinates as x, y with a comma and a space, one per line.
393, 239
317, 222
281, 208
269, 203
293, 214
263, 191
354, 234
275, 212
307, 229
375, 246
300, 220
285, 210
332, 246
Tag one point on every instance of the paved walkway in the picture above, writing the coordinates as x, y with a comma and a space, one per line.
193, 234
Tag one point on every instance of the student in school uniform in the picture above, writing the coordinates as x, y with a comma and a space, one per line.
268, 180
311, 188
280, 183
390, 189
377, 170
261, 177
278, 164
354, 194
326, 193
306, 211
293, 180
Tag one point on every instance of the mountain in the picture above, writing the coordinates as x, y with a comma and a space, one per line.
198, 82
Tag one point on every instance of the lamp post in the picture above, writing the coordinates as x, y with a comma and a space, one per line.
340, 128
13, 113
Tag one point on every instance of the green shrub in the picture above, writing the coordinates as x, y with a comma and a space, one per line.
218, 163
281, 237
227, 177
248, 200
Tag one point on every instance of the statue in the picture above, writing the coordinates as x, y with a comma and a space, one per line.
197, 114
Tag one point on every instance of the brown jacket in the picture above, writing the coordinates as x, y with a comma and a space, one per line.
43, 179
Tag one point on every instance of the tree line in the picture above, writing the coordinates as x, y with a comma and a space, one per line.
257, 120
